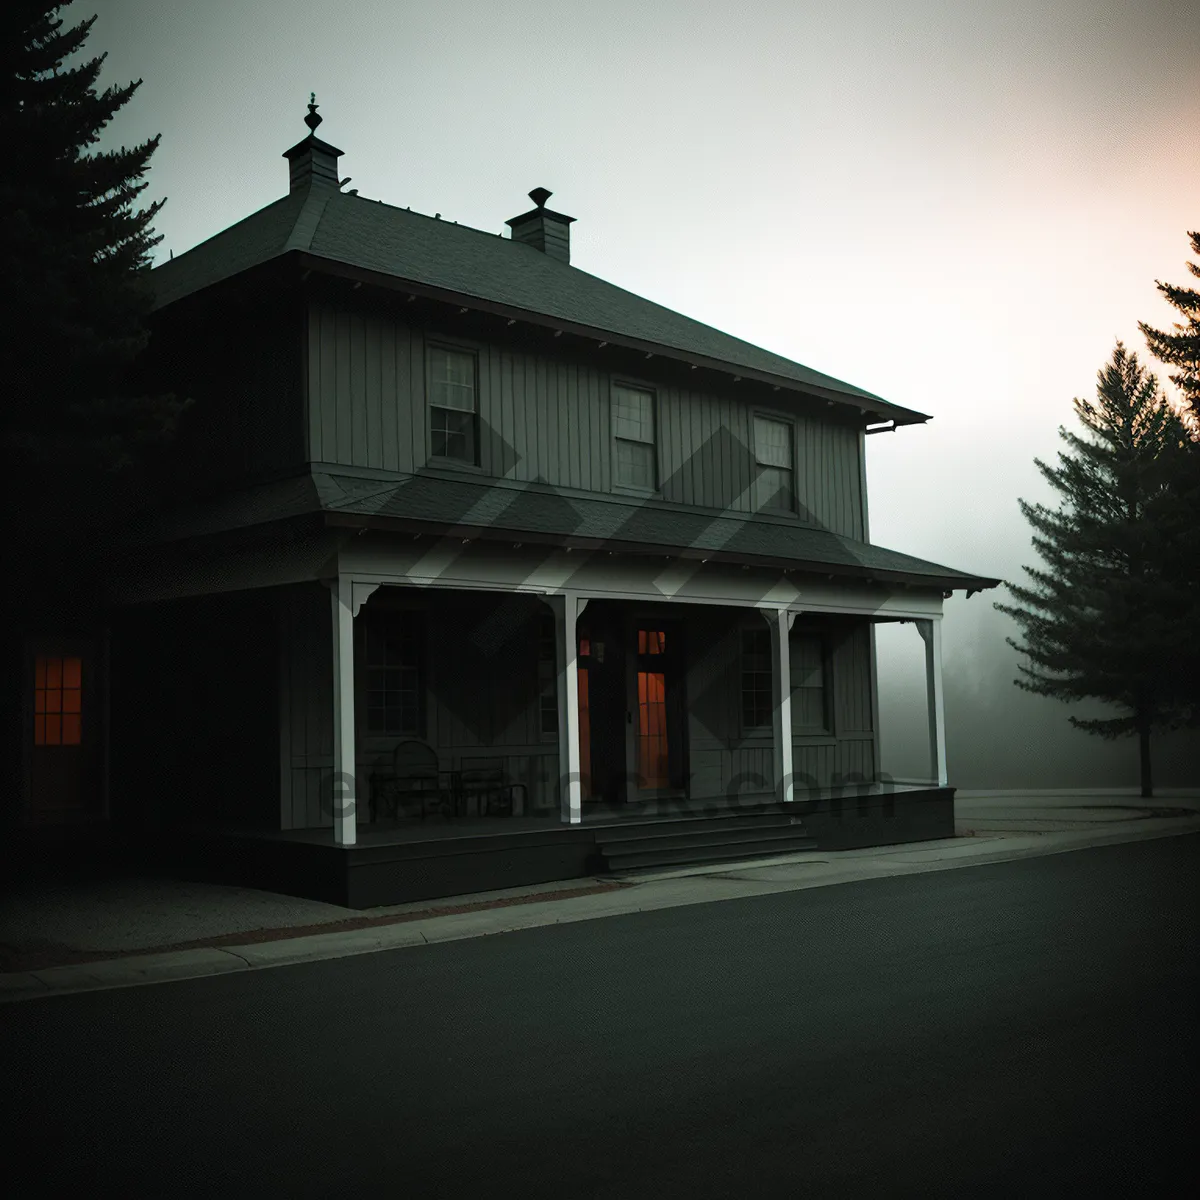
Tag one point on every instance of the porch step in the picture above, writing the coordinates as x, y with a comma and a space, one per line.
631, 829
759, 839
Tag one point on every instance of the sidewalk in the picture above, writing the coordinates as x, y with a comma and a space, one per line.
67, 938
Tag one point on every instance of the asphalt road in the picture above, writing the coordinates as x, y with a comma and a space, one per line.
1025, 1027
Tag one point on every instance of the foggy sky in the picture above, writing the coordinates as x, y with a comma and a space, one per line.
958, 206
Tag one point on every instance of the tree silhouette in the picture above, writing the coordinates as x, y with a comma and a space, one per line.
1111, 616
1181, 348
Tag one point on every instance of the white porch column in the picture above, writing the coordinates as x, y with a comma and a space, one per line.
348, 597
779, 622
566, 608
931, 633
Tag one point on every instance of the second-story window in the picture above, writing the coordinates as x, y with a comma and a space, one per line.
773, 488
453, 407
633, 438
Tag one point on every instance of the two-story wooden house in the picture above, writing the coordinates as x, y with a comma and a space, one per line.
582, 558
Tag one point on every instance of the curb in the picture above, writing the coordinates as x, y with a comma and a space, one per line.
647, 891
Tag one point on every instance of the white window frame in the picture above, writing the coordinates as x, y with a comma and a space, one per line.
432, 349
624, 434
764, 460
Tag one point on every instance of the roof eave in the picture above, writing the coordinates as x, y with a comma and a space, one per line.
413, 525
885, 410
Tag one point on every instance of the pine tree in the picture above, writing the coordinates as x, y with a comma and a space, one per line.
1181, 348
75, 254
1111, 615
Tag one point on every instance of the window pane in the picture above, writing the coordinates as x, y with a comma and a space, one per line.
773, 443
54, 672
71, 700
53, 731
452, 379
633, 414
70, 729
452, 434
39, 730
773, 490
634, 464
71, 672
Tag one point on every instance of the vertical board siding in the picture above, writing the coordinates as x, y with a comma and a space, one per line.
367, 408
852, 672
372, 398
306, 669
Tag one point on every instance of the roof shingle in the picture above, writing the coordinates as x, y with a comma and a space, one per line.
369, 235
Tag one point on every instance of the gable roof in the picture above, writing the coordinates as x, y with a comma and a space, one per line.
369, 235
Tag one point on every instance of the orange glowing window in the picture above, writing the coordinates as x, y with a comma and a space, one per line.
652, 641
57, 701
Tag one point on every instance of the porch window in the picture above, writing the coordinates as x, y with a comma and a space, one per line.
810, 696
547, 676
756, 679
773, 489
394, 662
57, 701
453, 407
633, 438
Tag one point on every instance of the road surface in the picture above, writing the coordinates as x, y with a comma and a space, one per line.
1013, 1028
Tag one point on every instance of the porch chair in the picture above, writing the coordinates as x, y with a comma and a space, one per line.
413, 774
487, 781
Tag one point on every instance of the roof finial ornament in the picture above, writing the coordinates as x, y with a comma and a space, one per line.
314, 118
539, 196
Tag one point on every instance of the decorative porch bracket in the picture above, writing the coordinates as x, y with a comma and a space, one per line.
779, 622
931, 635
567, 607
348, 598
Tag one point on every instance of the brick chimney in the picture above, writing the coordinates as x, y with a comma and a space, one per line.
547, 231
312, 161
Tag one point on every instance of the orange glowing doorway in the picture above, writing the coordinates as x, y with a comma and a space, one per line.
656, 733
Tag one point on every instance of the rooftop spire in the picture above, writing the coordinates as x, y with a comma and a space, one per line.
314, 118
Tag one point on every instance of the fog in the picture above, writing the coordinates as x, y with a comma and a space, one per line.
957, 207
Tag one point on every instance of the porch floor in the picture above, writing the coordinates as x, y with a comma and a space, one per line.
440, 828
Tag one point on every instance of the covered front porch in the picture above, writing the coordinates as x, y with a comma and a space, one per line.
599, 687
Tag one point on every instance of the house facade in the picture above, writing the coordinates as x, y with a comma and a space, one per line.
442, 493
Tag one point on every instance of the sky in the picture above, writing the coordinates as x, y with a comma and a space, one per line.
959, 206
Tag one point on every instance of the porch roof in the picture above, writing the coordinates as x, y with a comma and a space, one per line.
504, 511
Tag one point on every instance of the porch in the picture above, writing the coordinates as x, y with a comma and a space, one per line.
394, 862
720, 685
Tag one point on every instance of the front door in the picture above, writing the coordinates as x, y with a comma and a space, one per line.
64, 734
654, 718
